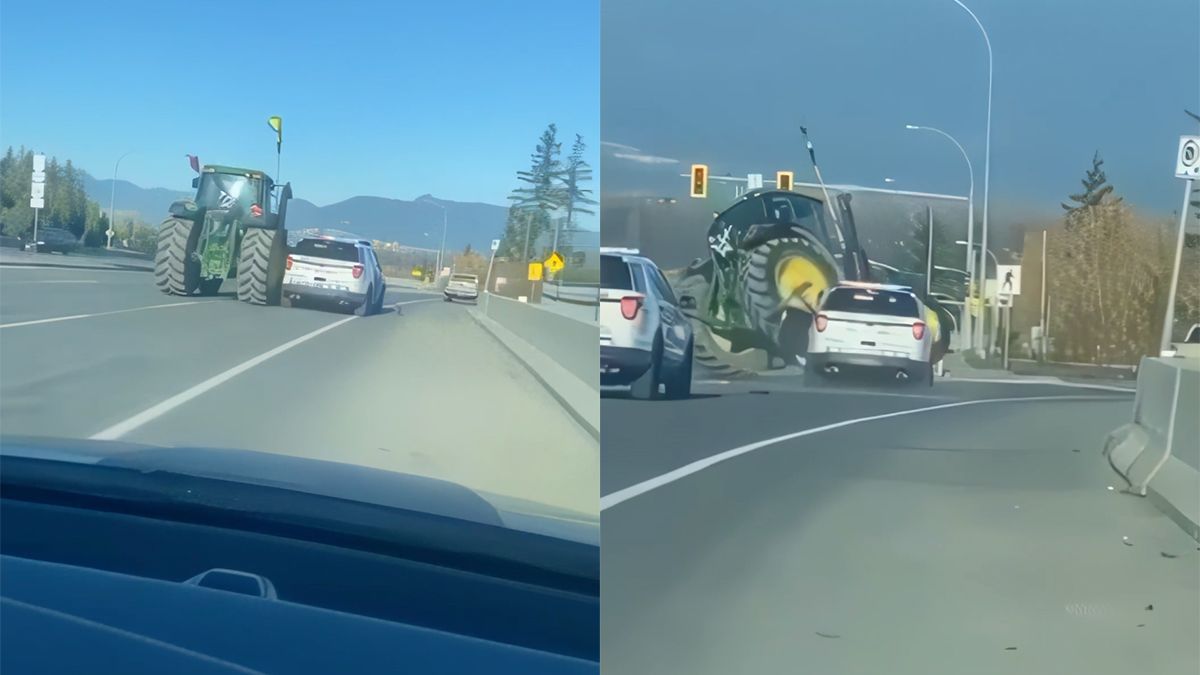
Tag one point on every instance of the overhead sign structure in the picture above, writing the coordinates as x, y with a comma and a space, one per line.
699, 181
783, 180
535, 271
555, 262
1187, 162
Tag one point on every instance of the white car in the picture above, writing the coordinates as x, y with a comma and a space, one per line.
334, 270
645, 338
462, 287
871, 326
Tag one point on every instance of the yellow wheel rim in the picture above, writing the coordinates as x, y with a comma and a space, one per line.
800, 281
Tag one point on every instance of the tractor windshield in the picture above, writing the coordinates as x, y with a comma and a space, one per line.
228, 191
797, 210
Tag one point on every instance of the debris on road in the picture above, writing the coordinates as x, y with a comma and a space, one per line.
1149, 608
828, 635
1167, 555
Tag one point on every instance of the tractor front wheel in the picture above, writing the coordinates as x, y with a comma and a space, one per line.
175, 270
260, 266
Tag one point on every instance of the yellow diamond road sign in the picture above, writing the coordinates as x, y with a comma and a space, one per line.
555, 262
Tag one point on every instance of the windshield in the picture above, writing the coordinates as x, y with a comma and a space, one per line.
871, 301
227, 191
797, 210
333, 250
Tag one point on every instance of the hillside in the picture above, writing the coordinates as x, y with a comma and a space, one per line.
413, 223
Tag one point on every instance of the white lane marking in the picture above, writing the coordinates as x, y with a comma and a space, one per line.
52, 281
153, 412
1043, 380
625, 494
115, 311
124, 427
6, 268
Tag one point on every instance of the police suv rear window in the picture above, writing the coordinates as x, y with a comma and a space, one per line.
324, 248
614, 273
871, 301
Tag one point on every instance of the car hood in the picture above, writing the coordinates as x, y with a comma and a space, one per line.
331, 479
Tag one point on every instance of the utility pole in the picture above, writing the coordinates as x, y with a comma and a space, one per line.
1042, 317
929, 254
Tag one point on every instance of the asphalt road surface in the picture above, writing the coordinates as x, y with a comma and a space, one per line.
95, 353
977, 537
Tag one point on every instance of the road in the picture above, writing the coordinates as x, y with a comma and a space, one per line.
977, 537
95, 353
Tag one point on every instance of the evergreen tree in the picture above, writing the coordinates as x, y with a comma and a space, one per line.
1095, 188
577, 199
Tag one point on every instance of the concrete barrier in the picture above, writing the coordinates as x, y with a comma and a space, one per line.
1158, 453
562, 352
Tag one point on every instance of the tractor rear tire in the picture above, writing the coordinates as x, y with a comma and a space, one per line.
761, 296
260, 266
175, 271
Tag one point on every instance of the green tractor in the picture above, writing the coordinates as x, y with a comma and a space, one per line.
233, 229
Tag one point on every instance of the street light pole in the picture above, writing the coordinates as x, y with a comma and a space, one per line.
967, 324
987, 153
442, 249
112, 198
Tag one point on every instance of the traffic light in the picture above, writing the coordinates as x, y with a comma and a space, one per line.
699, 180
783, 180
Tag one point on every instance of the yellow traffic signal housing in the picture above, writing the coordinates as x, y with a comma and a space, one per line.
783, 180
699, 180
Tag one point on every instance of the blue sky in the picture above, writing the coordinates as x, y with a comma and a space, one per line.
729, 83
394, 99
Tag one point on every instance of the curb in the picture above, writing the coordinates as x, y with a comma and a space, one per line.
526, 355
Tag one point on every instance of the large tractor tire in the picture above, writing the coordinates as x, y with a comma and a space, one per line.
175, 270
713, 354
260, 266
785, 277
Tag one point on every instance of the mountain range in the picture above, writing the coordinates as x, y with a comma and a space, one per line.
412, 223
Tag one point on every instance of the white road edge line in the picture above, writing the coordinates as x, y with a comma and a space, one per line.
153, 412
625, 494
1052, 381
51, 281
116, 311
149, 414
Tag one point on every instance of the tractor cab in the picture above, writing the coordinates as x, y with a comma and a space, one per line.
245, 195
